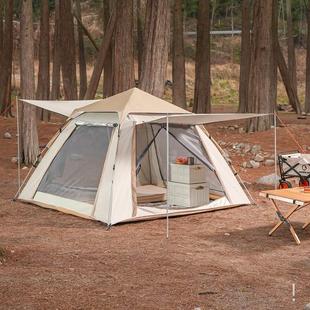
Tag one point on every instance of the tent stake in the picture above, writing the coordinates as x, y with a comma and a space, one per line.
167, 206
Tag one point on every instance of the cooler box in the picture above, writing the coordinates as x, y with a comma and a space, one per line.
188, 174
188, 195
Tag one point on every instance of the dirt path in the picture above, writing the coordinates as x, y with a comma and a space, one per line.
216, 260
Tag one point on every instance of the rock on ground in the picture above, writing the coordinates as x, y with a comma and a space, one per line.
269, 162
256, 149
7, 135
270, 179
254, 164
259, 158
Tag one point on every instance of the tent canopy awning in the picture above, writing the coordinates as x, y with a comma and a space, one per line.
61, 107
192, 119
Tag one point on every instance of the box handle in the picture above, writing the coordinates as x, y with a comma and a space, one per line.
199, 187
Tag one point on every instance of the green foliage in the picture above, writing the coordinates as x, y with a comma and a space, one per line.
36, 7
190, 8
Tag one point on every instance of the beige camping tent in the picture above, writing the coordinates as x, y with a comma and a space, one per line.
113, 157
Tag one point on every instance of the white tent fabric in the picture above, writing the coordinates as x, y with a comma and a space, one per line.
192, 119
110, 197
61, 107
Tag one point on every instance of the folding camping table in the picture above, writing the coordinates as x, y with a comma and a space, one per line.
294, 196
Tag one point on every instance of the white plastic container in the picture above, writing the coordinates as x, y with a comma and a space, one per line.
187, 174
188, 195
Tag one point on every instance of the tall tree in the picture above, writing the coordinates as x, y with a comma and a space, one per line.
290, 45
202, 97
102, 53
29, 134
245, 59
288, 83
55, 92
263, 73
156, 47
6, 58
67, 51
43, 88
123, 57
140, 41
107, 67
178, 58
307, 94
82, 60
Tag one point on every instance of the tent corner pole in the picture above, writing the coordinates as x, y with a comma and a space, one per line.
167, 177
18, 145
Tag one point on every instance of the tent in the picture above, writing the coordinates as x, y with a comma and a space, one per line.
112, 153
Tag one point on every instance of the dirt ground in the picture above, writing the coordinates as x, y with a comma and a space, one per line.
215, 260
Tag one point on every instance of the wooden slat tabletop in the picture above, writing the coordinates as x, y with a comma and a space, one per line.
296, 193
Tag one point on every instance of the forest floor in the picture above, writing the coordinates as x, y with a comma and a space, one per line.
214, 260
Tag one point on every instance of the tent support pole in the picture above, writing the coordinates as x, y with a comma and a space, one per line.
167, 159
275, 145
18, 146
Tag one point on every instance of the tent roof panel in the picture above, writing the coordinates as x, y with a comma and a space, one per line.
133, 101
61, 107
191, 118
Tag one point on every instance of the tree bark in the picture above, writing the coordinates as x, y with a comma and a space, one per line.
140, 18
107, 67
85, 31
288, 83
156, 47
202, 97
29, 134
1, 27
68, 61
245, 59
106, 42
43, 88
55, 92
291, 46
178, 59
123, 57
263, 81
82, 61
307, 94
6, 60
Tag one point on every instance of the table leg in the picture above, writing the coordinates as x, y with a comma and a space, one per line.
284, 219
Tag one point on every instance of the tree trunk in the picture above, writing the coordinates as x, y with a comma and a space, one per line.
6, 60
82, 61
291, 46
140, 18
202, 97
245, 59
178, 59
307, 94
263, 81
156, 47
1, 27
55, 92
107, 67
288, 83
106, 42
67, 51
29, 134
43, 88
123, 57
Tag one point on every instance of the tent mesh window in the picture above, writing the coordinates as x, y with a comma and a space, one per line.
76, 170
151, 160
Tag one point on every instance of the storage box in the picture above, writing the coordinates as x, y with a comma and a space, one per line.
188, 195
188, 174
